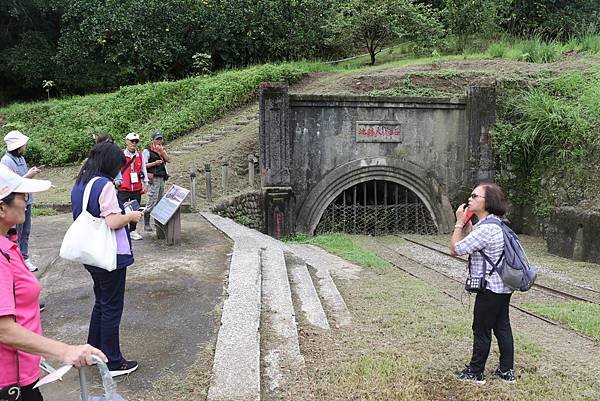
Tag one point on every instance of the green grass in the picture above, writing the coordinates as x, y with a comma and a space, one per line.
43, 211
583, 317
345, 247
60, 130
406, 340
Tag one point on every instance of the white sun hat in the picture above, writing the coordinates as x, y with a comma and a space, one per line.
11, 182
14, 140
132, 136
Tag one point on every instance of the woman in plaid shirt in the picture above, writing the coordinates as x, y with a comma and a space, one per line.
492, 304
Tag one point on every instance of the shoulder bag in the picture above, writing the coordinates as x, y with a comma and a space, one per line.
90, 240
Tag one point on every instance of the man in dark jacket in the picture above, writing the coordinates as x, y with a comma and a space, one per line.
156, 159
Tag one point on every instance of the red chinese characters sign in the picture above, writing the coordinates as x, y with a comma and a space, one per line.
378, 131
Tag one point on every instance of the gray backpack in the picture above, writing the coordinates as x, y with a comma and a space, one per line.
512, 266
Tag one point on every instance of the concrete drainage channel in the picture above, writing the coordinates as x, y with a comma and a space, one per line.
263, 275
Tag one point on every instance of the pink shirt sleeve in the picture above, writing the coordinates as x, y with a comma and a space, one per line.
109, 204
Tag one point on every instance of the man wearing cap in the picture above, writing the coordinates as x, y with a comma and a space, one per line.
156, 159
16, 143
135, 177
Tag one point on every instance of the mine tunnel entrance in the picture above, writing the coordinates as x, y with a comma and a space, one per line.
377, 207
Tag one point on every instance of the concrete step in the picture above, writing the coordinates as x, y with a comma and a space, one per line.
236, 367
331, 297
305, 292
281, 351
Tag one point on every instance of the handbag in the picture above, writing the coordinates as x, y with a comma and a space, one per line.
12, 392
89, 240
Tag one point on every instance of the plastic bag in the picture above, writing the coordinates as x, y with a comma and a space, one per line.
110, 387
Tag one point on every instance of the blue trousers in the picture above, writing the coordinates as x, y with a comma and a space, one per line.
109, 288
23, 231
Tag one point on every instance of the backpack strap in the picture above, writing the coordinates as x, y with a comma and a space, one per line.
494, 265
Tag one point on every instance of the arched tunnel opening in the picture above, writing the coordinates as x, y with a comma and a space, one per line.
377, 207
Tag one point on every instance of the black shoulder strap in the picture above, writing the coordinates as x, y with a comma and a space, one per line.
128, 163
494, 265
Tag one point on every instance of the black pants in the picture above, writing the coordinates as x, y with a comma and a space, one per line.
491, 313
125, 196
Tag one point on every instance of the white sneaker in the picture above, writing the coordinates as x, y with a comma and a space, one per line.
30, 266
135, 236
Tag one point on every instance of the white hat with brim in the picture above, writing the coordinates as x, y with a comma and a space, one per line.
132, 136
11, 182
14, 140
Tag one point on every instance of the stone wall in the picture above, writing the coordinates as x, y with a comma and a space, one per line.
313, 147
246, 209
574, 233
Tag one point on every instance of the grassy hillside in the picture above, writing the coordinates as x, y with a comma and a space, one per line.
61, 129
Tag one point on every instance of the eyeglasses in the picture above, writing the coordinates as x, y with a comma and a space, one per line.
134, 140
475, 196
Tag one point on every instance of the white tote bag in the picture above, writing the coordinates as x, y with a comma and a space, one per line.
90, 240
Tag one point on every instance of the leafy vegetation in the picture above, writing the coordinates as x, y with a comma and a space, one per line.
60, 130
549, 135
86, 46
377, 24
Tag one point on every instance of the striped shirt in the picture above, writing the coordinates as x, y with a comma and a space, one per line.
489, 239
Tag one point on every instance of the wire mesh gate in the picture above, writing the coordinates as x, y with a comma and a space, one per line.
377, 207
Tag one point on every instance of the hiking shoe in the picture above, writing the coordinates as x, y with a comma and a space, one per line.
147, 227
468, 375
42, 306
125, 368
508, 376
135, 236
30, 266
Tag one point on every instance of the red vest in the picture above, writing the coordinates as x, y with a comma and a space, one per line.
135, 166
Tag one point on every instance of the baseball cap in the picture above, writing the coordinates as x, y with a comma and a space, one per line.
157, 135
132, 136
11, 182
14, 140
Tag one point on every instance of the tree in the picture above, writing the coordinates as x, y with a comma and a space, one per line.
376, 24
465, 18
28, 40
551, 18
244, 32
106, 43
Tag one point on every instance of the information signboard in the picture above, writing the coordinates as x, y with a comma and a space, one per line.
168, 205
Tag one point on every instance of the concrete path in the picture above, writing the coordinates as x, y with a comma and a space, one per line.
172, 302
283, 273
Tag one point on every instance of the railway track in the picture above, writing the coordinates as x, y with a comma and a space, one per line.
547, 289
592, 290
525, 311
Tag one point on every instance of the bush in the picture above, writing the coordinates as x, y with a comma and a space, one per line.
547, 142
60, 130
497, 50
536, 50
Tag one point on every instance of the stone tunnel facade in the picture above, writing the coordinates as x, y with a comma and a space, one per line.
313, 148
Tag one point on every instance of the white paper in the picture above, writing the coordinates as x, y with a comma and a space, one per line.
54, 376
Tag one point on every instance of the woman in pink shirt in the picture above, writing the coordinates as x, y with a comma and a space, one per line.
21, 340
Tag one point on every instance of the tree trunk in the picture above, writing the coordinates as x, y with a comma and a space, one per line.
372, 54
